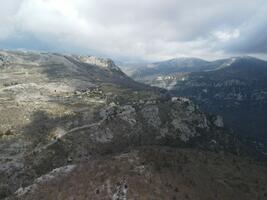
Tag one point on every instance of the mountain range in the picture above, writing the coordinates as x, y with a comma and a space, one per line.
77, 127
235, 88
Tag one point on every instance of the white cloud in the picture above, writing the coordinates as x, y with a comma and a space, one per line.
130, 29
225, 36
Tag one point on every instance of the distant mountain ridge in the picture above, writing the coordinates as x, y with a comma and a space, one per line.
186, 65
235, 88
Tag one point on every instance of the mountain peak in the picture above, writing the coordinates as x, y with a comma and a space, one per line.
185, 60
101, 62
245, 58
188, 59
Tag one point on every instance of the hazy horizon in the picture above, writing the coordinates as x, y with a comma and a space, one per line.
132, 62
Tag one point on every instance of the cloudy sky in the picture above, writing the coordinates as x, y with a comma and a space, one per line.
136, 30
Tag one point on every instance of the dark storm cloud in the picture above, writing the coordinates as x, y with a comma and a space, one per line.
130, 29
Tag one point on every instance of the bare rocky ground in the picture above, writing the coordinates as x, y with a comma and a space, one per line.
76, 127
155, 173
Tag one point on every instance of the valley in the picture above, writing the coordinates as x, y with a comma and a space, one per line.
234, 88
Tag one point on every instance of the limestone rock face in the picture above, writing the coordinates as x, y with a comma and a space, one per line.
218, 121
128, 114
179, 120
151, 115
101, 62
185, 132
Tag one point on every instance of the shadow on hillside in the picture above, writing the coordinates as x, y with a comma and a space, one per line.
42, 124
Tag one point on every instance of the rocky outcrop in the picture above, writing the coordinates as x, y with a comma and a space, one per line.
55, 174
151, 115
218, 121
233, 88
100, 62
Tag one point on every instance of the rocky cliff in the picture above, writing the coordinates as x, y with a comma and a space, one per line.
234, 88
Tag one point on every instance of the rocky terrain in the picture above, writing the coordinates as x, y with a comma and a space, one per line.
234, 88
155, 173
76, 127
